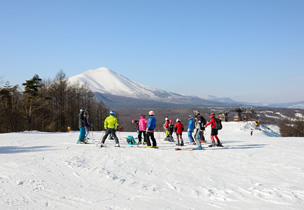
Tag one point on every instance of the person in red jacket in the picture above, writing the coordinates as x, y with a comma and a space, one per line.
214, 132
179, 128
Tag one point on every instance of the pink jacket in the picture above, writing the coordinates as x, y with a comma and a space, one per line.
142, 123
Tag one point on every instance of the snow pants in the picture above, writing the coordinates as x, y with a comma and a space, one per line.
179, 137
110, 131
140, 137
151, 134
190, 136
82, 134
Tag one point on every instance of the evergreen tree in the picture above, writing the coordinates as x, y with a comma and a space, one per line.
32, 97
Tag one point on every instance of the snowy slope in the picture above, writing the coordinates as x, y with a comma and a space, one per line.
105, 81
48, 170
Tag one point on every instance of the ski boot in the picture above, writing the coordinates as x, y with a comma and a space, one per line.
219, 144
117, 145
182, 143
212, 144
203, 141
101, 145
198, 148
178, 144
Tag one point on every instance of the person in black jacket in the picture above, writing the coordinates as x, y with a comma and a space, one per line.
81, 125
199, 129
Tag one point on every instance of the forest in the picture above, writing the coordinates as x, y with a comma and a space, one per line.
50, 106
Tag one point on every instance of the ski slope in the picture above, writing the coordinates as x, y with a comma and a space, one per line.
50, 171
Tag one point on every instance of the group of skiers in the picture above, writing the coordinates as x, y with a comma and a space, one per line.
146, 128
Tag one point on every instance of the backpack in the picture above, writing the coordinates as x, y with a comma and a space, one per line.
218, 124
203, 121
131, 140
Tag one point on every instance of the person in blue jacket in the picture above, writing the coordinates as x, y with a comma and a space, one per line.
151, 125
190, 129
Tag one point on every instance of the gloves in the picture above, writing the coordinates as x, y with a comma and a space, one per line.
147, 130
188, 129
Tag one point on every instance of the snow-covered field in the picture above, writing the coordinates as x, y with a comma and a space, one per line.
49, 171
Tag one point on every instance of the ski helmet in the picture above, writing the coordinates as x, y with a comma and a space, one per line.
112, 112
166, 118
171, 121
82, 110
212, 114
177, 120
151, 113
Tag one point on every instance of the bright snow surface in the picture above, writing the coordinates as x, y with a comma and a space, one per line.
50, 171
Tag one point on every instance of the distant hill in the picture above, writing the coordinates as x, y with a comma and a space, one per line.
115, 90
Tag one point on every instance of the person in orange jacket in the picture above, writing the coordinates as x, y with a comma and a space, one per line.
214, 132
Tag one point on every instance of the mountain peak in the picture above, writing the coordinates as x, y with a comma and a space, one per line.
106, 81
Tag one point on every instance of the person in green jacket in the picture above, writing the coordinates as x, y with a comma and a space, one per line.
110, 124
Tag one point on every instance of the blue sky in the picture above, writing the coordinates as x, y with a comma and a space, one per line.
246, 50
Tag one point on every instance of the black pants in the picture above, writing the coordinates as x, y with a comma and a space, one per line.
113, 132
151, 134
139, 136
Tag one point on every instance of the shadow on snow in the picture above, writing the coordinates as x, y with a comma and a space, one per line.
248, 146
16, 149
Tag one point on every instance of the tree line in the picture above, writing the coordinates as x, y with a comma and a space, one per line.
50, 105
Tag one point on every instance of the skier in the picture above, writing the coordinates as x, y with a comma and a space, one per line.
200, 121
150, 130
136, 126
179, 128
190, 129
87, 125
110, 124
81, 125
166, 127
142, 125
171, 130
214, 132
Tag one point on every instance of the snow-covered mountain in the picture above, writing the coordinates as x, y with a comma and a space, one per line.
117, 90
105, 81
112, 87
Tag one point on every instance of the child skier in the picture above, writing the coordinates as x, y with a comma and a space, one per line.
150, 130
179, 128
142, 125
214, 131
87, 125
110, 124
171, 130
166, 127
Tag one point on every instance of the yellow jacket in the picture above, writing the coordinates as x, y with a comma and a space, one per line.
110, 122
